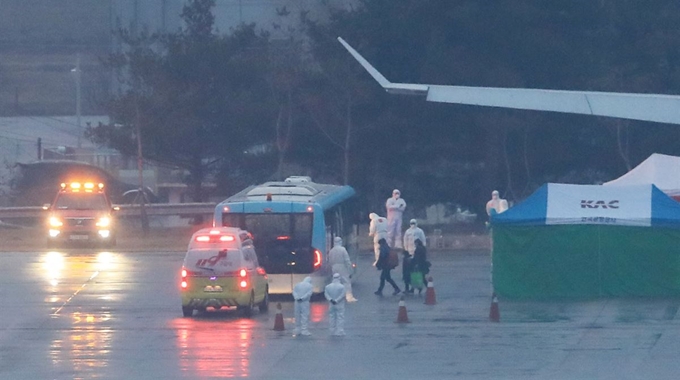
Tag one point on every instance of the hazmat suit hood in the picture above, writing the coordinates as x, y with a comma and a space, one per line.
336, 277
494, 194
337, 241
302, 291
373, 216
396, 194
413, 222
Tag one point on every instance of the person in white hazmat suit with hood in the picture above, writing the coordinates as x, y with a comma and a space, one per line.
377, 229
496, 205
412, 233
335, 294
395, 210
340, 263
302, 293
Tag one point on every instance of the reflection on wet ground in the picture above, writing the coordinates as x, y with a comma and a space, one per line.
213, 347
82, 315
85, 347
83, 344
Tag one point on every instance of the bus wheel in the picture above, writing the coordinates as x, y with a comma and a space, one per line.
187, 311
264, 305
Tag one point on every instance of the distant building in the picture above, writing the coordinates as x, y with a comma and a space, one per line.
41, 42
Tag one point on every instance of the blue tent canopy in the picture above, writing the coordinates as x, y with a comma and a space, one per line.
634, 205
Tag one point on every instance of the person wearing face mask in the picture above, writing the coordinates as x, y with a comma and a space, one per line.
384, 267
340, 263
302, 293
412, 233
496, 205
378, 230
395, 210
335, 294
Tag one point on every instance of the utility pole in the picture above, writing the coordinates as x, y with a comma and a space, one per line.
141, 195
76, 70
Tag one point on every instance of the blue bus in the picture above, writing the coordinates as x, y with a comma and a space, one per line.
293, 223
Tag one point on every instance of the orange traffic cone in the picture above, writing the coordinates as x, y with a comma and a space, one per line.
430, 298
402, 317
494, 313
278, 322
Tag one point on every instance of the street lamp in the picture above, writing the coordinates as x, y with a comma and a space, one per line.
76, 71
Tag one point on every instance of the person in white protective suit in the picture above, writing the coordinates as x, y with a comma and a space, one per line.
395, 210
302, 293
412, 233
335, 294
496, 205
340, 263
377, 229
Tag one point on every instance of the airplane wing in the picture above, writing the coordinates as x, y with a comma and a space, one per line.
648, 107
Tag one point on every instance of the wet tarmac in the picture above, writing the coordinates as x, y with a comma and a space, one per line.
85, 314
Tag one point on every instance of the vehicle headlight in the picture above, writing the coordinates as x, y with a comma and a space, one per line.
55, 222
104, 221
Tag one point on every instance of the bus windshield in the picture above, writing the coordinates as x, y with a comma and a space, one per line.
283, 242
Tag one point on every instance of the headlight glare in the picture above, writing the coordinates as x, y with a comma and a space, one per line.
104, 221
55, 222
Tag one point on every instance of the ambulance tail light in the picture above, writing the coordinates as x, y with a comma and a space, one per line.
183, 284
214, 237
243, 283
317, 259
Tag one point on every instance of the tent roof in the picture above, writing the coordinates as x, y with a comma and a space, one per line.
658, 169
554, 203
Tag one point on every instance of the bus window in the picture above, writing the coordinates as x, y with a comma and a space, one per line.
303, 227
267, 225
232, 220
283, 242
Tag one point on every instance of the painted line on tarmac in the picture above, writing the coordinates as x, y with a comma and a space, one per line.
95, 274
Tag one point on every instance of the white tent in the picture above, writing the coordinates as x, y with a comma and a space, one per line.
661, 170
